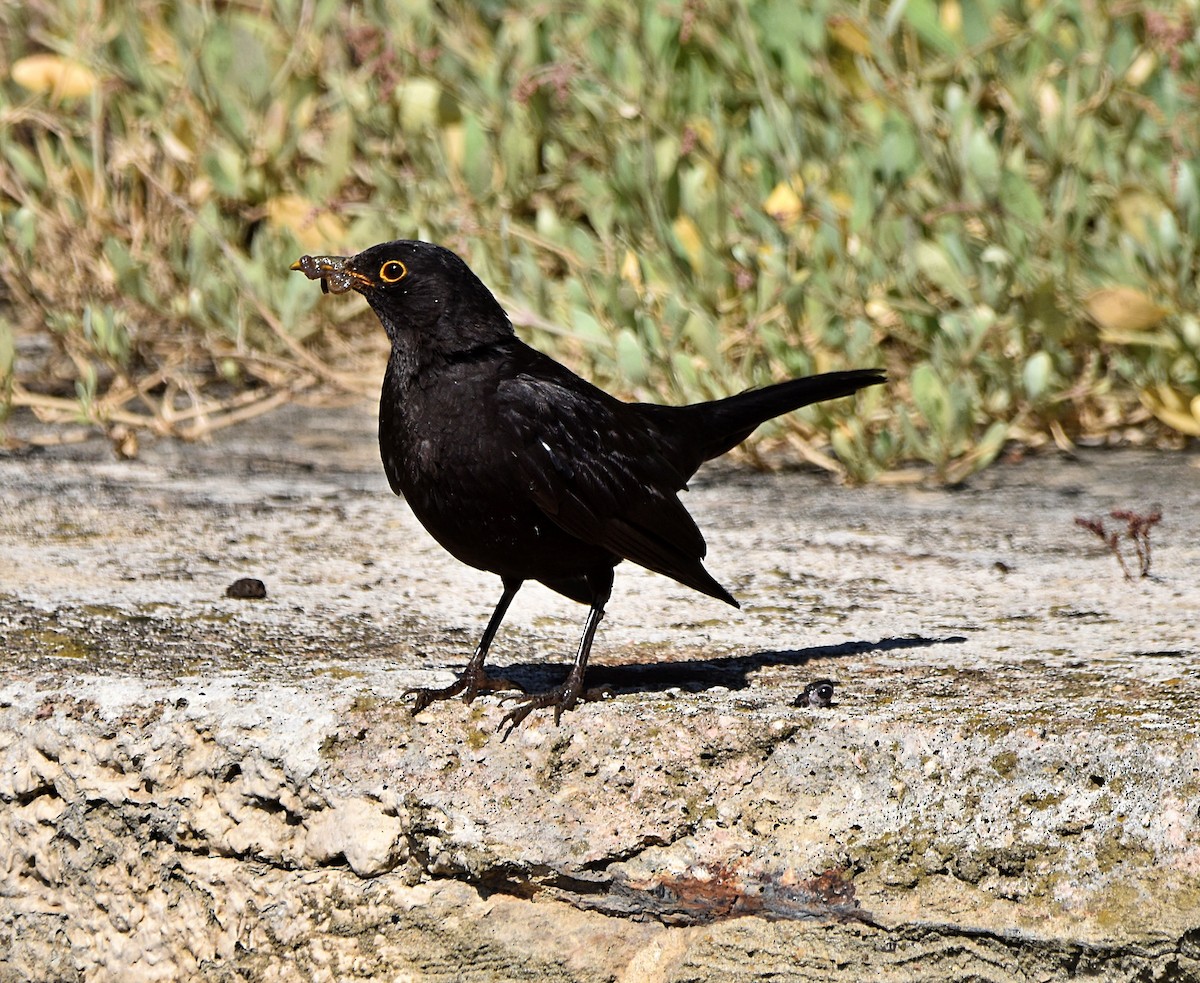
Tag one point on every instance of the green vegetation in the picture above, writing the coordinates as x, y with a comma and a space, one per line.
996, 200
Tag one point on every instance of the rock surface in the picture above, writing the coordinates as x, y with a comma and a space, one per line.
196, 786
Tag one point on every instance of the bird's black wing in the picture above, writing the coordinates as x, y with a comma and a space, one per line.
595, 466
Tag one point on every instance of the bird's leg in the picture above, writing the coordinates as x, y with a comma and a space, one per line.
473, 679
565, 695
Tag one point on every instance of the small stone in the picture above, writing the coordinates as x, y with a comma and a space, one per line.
247, 588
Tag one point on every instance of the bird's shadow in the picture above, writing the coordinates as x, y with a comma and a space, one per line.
732, 672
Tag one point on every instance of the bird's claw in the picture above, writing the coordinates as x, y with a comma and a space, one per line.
561, 698
427, 695
470, 685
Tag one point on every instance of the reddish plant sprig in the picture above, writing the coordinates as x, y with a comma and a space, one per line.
1138, 528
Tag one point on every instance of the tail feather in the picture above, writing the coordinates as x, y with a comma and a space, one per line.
718, 426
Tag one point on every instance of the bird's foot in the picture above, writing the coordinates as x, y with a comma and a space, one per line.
469, 684
561, 697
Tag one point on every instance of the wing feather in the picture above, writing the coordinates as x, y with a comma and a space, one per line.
595, 467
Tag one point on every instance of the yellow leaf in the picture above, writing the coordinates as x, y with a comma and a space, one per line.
1173, 410
1122, 309
631, 269
951, 17
1141, 68
160, 42
419, 100
882, 313
174, 148
313, 227
849, 33
61, 77
1169, 398
841, 201
454, 144
1049, 102
783, 203
1139, 212
688, 236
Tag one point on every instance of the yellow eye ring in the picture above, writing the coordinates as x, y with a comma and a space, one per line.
393, 271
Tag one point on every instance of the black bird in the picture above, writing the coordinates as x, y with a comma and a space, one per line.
518, 466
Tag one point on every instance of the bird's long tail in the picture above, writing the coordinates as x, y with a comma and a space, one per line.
721, 425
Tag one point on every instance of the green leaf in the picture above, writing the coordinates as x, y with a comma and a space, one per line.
631, 359
935, 263
983, 162
477, 156
931, 397
978, 24
1036, 375
991, 444
897, 150
335, 162
25, 164
7, 351
1020, 199
684, 371
705, 334
224, 167
922, 16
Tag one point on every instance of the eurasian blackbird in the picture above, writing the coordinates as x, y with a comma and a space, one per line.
518, 466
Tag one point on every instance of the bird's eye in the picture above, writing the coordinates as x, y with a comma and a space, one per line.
392, 271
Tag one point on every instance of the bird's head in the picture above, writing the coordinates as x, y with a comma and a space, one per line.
422, 293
